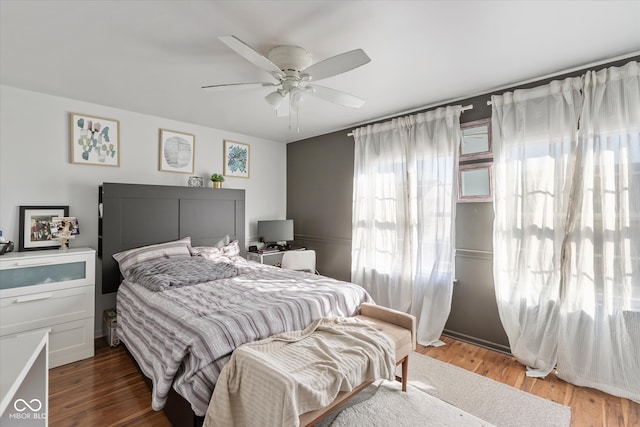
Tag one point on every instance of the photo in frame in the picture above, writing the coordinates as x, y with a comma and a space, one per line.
236, 159
64, 226
95, 140
35, 227
177, 151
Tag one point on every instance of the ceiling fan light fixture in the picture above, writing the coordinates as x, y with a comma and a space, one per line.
297, 96
275, 99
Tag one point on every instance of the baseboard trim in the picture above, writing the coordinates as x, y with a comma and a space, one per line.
478, 341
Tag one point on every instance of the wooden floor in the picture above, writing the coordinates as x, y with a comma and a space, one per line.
107, 390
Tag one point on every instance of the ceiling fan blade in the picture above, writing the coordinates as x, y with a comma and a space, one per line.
337, 65
236, 86
335, 96
247, 52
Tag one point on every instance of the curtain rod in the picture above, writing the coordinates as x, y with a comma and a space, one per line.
463, 109
627, 56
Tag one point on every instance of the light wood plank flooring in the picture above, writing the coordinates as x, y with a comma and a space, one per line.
107, 390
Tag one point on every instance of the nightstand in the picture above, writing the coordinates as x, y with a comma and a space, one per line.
50, 290
269, 257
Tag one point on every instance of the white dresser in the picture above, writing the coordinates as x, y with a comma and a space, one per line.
50, 290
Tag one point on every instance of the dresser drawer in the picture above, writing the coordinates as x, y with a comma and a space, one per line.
70, 341
30, 271
44, 309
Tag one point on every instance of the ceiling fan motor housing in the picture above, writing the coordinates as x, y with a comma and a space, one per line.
290, 59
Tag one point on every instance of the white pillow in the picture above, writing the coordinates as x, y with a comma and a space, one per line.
129, 258
223, 242
208, 252
222, 253
232, 249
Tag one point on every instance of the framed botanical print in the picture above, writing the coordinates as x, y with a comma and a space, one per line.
36, 230
177, 151
95, 140
236, 159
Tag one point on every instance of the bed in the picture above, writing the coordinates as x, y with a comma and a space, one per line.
182, 336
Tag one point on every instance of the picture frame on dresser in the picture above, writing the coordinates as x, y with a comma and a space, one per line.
34, 232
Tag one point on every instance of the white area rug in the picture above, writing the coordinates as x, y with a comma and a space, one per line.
471, 400
485, 398
390, 407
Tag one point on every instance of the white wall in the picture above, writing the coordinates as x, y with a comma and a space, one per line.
35, 167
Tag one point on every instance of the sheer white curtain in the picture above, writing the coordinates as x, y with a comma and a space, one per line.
403, 215
534, 139
380, 254
599, 343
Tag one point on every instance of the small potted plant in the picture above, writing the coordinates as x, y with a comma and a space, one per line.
217, 180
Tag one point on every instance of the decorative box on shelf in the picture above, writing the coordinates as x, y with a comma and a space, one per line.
50, 290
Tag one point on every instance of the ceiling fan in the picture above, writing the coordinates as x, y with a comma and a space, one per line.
294, 74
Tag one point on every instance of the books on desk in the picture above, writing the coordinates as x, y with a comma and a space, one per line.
279, 249
268, 250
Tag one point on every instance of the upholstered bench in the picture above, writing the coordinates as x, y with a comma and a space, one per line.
400, 327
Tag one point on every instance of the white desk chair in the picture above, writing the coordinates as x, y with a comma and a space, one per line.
300, 260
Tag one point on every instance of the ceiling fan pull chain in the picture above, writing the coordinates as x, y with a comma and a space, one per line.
297, 120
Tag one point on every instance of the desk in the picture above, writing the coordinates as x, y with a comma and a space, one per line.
24, 379
270, 258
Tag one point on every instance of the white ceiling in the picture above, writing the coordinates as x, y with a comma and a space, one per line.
152, 57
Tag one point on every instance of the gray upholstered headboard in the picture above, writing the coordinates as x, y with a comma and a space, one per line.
136, 215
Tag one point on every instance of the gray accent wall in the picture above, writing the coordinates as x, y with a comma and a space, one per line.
474, 312
319, 199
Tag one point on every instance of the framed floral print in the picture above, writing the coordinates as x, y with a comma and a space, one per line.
95, 140
236, 159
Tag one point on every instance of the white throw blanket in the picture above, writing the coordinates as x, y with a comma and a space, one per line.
273, 381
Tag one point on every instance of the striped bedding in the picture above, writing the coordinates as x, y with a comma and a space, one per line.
185, 336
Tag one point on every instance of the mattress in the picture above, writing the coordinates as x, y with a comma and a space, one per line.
183, 337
